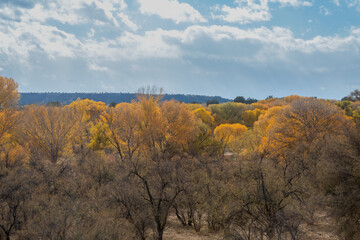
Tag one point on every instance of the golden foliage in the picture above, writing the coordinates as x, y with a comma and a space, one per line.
9, 95
49, 129
251, 116
229, 132
204, 116
306, 120
88, 109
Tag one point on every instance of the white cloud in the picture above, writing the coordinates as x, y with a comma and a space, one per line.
324, 11
20, 39
294, 3
95, 67
336, 2
252, 10
125, 19
171, 9
270, 43
91, 33
67, 11
353, 3
130, 46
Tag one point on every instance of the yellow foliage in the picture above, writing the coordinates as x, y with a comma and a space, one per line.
251, 116
193, 106
9, 95
8, 119
180, 122
88, 109
49, 129
269, 103
229, 132
305, 121
204, 116
292, 98
121, 128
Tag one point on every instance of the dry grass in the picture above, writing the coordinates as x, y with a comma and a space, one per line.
322, 229
175, 231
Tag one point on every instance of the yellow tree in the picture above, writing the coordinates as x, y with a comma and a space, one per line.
164, 128
9, 118
9, 95
180, 124
49, 129
204, 116
251, 116
122, 128
298, 134
307, 120
88, 112
228, 133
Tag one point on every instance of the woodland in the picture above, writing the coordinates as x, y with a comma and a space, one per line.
263, 170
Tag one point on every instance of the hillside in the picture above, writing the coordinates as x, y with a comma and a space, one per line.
66, 98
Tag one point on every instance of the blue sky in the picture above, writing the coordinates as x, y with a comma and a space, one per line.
252, 48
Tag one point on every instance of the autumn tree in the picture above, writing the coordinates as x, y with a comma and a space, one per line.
9, 96
49, 129
251, 116
164, 130
230, 112
9, 119
87, 113
122, 128
228, 133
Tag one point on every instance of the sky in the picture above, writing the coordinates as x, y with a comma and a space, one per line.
229, 48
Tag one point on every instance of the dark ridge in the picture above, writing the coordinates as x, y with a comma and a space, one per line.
66, 98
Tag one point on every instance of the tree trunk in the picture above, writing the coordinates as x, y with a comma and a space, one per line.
159, 229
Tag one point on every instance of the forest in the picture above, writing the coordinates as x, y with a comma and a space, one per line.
266, 170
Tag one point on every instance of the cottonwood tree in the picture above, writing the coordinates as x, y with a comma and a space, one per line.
87, 112
49, 130
164, 129
228, 133
122, 128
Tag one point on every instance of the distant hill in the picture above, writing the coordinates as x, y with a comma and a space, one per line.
66, 98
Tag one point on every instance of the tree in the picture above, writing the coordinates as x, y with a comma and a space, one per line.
250, 100
165, 129
15, 192
306, 122
228, 133
88, 113
212, 101
229, 112
204, 116
9, 96
239, 99
251, 116
341, 180
49, 130
122, 128
355, 95
9, 119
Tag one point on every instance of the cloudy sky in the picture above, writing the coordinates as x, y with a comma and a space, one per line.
251, 48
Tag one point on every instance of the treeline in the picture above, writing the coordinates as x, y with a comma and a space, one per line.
249, 171
108, 98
